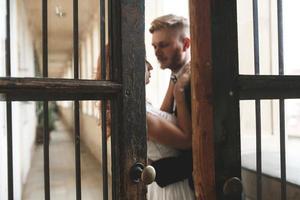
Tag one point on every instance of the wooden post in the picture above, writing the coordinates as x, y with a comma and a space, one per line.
128, 137
202, 102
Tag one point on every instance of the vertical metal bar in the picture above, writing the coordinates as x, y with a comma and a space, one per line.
258, 150
116, 75
104, 151
103, 39
281, 103
45, 37
115, 40
114, 151
282, 149
76, 103
46, 152
7, 41
257, 103
256, 37
104, 102
75, 39
109, 38
280, 38
10, 176
45, 103
77, 149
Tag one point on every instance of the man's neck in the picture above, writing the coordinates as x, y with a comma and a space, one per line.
178, 70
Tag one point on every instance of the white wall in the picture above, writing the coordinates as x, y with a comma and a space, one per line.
291, 36
156, 89
3, 152
23, 113
292, 62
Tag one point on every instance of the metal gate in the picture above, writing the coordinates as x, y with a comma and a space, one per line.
125, 90
230, 87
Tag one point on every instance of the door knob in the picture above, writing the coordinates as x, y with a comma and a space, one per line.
140, 173
233, 186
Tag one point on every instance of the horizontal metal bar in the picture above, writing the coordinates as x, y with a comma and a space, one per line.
268, 87
54, 96
50, 84
24, 89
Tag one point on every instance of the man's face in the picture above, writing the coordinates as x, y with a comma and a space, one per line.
168, 48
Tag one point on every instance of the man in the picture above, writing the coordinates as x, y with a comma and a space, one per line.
171, 42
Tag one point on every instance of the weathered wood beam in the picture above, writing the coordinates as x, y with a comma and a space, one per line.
225, 100
128, 110
268, 86
36, 89
202, 105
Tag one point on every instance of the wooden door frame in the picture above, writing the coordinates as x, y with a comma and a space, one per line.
215, 117
128, 110
217, 89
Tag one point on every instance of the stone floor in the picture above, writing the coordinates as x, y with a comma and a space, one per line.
62, 171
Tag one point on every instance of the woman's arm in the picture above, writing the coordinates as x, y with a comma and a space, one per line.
164, 132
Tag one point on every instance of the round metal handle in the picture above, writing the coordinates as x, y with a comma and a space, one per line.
233, 186
139, 173
148, 175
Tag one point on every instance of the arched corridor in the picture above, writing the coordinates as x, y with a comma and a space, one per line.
62, 170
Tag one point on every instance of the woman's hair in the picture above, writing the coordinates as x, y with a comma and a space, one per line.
107, 77
147, 62
99, 65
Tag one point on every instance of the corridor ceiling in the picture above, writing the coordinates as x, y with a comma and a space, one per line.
60, 29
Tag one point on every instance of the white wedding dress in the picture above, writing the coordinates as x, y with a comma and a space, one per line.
176, 191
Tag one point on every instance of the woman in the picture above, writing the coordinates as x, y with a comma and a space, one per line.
179, 190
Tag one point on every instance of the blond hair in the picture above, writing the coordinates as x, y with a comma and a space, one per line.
172, 22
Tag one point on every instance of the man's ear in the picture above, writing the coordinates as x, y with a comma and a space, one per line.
186, 43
